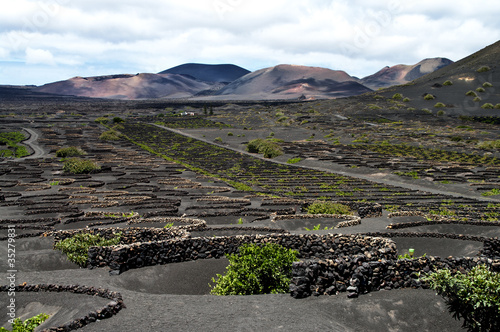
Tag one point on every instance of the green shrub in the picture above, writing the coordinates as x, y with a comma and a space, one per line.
447, 83
218, 139
77, 246
320, 207
471, 93
268, 147
488, 106
406, 99
483, 69
117, 119
474, 296
480, 89
293, 160
489, 145
230, 134
492, 192
487, 85
477, 99
397, 96
256, 270
429, 97
440, 113
439, 105
29, 325
497, 106
110, 135
70, 151
80, 166
102, 120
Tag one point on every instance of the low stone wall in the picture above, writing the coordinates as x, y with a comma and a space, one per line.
359, 274
191, 224
112, 308
128, 235
351, 220
491, 248
124, 257
370, 211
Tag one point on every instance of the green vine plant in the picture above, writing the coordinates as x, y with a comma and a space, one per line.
472, 296
28, 325
318, 227
77, 246
265, 269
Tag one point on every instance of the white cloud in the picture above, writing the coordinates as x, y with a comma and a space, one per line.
38, 56
4, 53
358, 36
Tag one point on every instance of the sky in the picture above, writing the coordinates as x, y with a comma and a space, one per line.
43, 41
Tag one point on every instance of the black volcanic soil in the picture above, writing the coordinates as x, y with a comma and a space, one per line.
176, 296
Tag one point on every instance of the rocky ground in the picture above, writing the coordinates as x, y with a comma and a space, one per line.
39, 197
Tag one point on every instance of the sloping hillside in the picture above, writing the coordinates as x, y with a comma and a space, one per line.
223, 73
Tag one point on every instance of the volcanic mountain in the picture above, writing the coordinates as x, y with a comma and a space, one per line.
140, 86
223, 73
466, 87
292, 82
402, 74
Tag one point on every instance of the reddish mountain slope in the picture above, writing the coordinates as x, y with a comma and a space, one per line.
140, 86
402, 74
291, 81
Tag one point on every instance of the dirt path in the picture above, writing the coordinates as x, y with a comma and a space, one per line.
32, 142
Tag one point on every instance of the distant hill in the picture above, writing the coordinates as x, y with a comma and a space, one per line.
291, 82
140, 86
402, 74
457, 85
223, 73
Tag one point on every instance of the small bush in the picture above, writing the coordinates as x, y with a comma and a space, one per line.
269, 148
497, 106
71, 151
77, 246
448, 83
487, 85
439, 105
29, 325
480, 89
488, 106
256, 270
440, 113
474, 296
80, 166
117, 119
102, 120
328, 208
429, 97
397, 96
477, 99
110, 135
489, 145
471, 93
293, 160
483, 69
230, 134
406, 99
218, 139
